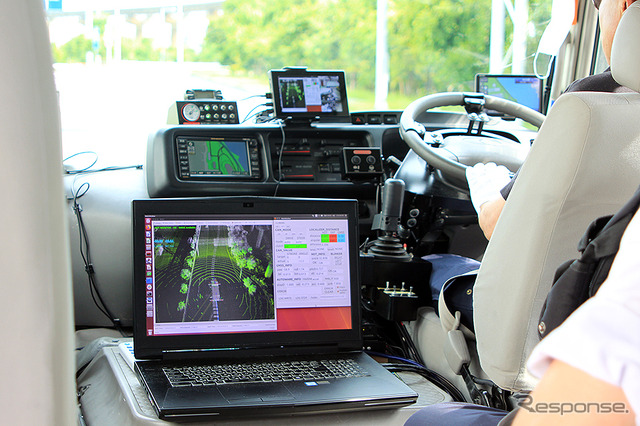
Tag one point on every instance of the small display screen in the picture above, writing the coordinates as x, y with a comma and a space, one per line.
301, 93
216, 157
522, 89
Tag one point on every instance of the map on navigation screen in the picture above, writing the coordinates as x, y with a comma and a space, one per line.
218, 157
523, 89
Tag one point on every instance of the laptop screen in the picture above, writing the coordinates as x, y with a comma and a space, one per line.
217, 272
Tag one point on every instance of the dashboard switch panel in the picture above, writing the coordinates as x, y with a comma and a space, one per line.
312, 154
207, 112
363, 162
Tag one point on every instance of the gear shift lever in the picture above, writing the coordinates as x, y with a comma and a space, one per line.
388, 221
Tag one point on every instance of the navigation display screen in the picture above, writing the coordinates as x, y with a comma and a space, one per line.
309, 94
523, 89
215, 157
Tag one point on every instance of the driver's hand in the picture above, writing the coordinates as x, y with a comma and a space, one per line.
485, 182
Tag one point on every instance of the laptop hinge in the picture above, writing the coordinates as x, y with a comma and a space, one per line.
236, 353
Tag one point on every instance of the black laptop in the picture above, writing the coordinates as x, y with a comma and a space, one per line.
250, 306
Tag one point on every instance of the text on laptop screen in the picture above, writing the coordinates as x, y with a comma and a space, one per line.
208, 274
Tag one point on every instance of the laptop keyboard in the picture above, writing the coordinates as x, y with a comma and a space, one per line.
263, 372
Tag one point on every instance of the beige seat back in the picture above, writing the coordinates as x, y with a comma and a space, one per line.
36, 367
585, 163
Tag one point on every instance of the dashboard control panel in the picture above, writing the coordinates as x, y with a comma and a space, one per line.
188, 160
362, 162
207, 112
312, 156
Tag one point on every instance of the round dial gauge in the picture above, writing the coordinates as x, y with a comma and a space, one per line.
191, 112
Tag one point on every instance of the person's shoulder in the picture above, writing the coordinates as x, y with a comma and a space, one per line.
603, 82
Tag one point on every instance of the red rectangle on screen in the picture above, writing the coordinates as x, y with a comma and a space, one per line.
300, 319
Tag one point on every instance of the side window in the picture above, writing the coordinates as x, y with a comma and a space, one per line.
600, 63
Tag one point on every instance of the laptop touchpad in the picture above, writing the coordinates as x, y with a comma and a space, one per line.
256, 392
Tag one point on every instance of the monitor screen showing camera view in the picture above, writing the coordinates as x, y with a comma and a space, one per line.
301, 93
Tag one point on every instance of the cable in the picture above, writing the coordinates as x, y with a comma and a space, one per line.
76, 195
85, 249
85, 253
248, 116
411, 359
105, 169
397, 358
413, 367
366, 307
418, 365
266, 95
406, 338
275, 192
95, 160
259, 114
430, 375
265, 116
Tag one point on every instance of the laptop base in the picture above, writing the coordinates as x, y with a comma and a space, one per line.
371, 387
111, 392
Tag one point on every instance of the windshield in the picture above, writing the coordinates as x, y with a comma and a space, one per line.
120, 65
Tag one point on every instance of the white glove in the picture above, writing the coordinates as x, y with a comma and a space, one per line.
485, 182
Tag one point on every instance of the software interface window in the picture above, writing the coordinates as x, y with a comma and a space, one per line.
220, 275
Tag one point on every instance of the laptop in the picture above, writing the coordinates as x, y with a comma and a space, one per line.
267, 287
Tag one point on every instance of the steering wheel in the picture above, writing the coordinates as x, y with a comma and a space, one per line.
453, 154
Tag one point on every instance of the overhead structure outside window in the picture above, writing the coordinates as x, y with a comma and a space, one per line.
518, 11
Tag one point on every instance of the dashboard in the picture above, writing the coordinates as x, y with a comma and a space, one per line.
324, 159
331, 161
328, 161
339, 159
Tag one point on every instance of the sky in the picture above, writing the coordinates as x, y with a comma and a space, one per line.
75, 19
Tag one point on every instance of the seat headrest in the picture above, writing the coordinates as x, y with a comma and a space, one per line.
625, 52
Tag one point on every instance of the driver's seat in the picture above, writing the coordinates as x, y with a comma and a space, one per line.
585, 163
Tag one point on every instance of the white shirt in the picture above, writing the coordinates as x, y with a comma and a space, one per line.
602, 337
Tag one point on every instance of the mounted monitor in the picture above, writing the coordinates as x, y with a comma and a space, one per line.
523, 89
300, 95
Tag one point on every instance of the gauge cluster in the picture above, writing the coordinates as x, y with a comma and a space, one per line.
207, 112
